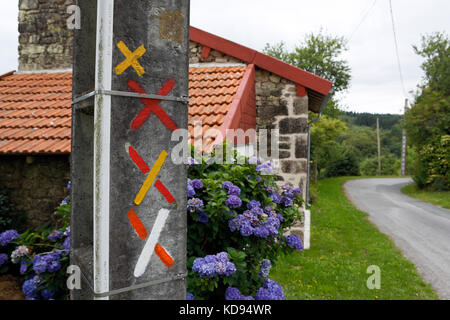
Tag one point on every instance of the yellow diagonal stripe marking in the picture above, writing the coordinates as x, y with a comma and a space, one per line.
131, 59
150, 178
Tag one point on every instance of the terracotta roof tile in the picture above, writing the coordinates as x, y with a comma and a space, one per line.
35, 109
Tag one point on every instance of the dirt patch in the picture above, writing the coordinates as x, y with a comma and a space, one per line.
10, 288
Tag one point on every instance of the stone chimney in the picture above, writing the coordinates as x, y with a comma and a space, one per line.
45, 41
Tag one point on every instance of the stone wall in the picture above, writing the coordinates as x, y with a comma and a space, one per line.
279, 107
45, 42
195, 55
37, 184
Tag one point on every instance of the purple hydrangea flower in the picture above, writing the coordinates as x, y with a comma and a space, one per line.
265, 168
231, 188
214, 265
289, 194
69, 185
253, 204
294, 241
234, 294
227, 184
190, 191
189, 296
233, 202
8, 236
287, 202
249, 223
46, 262
194, 204
203, 217
3, 258
197, 184
54, 266
30, 287
23, 267
67, 232
47, 294
191, 161
264, 269
270, 290
55, 235
66, 243
276, 198
234, 191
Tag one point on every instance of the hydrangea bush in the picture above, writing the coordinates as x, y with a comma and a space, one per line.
40, 256
237, 217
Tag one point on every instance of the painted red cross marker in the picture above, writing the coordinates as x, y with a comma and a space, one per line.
140, 163
151, 106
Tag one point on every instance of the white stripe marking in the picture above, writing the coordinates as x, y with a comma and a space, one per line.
149, 248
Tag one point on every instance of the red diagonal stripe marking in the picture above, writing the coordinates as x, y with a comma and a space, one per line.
161, 188
137, 159
151, 106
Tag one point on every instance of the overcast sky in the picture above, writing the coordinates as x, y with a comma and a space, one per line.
375, 86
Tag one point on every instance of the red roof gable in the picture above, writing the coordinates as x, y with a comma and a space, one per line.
317, 86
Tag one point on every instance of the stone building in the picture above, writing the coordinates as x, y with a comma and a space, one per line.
231, 87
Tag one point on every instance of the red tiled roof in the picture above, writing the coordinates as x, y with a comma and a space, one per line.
211, 94
35, 113
35, 109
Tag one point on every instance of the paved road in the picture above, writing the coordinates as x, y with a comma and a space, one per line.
420, 230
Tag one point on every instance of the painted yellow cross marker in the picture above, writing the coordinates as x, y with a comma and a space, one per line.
150, 178
131, 59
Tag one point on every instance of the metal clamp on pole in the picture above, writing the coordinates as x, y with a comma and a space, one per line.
182, 99
180, 276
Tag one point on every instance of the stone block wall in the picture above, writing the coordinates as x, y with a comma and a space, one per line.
214, 56
45, 42
279, 107
37, 184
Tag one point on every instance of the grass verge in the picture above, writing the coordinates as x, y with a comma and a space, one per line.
343, 245
438, 198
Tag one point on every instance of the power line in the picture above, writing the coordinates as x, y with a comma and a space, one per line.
362, 20
396, 49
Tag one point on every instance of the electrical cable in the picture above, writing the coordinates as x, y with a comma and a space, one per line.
362, 20
396, 49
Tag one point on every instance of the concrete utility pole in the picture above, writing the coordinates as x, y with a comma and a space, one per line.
404, 140
379, 146
130, 89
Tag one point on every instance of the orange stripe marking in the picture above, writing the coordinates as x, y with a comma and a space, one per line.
137, 224
164, 256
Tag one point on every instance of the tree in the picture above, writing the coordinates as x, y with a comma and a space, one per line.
319, 54
435, 48
428, 121
323, 139
342, 162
